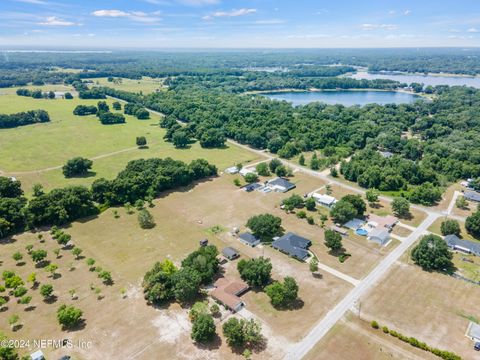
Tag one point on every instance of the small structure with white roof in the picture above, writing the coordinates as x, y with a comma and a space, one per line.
325, 200
232, 170
37, 355
246, 171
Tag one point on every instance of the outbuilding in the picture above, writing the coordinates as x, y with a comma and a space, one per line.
232, 170
37, 355
249, 239
472, 196
324, 200
473, 331
230, 253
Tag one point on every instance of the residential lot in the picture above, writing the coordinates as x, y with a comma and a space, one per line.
146, 85
433, 307
355, 338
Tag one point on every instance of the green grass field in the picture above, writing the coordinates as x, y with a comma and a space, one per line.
146, 85
29, 152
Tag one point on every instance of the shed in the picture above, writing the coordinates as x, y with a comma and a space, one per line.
37, 355
230, 253
249, 239
379, 236
280, 185
339, 230
252, 187
293, 245
245, 171
203, 242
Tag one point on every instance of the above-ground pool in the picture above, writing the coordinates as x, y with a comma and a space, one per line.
361, 232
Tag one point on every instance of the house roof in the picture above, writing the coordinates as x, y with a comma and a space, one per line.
252, 187
474, 330
229, 252
227, 291
281, 182
293, 244
386, 154
455, 241
248, 238
380, 234
245, 171
472, 195
324, 199
383, 221
354, 224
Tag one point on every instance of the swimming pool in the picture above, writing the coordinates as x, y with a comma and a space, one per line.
361, 232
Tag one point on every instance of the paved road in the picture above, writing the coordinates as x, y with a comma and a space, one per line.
322, 327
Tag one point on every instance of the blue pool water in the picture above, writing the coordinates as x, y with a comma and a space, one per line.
361, 232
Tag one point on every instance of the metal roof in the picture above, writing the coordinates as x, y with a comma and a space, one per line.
249, 238
454, 241
293, 244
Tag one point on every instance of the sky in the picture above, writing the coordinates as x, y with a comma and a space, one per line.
159, 24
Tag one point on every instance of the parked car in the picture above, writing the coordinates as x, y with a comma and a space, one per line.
477, 346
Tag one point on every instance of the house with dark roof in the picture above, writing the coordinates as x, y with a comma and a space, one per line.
465, 246
249, 239
280, 185
472, 196
294, 245
230, 253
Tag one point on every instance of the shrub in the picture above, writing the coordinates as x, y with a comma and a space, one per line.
145, 219
374, 324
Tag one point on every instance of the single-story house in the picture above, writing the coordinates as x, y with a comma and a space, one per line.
249, 239
379, 236
473, 331
472, 196
382, 222
386, 154
280, 185
252, 187
293, 245
465, 246
37, 355
230, 253
245, 171
325, 200
354, 224
232, 170
228, 293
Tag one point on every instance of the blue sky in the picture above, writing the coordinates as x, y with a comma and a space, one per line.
238, 24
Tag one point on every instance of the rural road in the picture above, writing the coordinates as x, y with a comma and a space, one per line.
301, 349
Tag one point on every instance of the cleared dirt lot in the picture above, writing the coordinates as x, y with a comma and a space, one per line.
352, 338
431, 307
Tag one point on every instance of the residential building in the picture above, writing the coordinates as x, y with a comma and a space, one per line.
379, 236
280, 185
228, 293
324, 200
293, 245
465, 246
249, 239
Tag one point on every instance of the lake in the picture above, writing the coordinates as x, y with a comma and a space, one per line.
344, 97
425, 79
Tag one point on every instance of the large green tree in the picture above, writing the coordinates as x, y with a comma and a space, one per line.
265, 226
256, 272
432, 254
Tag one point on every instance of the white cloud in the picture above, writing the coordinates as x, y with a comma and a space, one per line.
231, 13
270, 22
198, 2
139, 16
369, 27
55, 21
407, 12
473, 30
110, 13
309, 36
34, 2
392, 12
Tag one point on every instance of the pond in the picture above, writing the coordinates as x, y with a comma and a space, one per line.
344, 97
422, 79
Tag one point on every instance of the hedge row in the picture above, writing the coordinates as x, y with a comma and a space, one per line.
446, 355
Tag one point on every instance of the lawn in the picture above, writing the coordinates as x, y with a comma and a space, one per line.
50, 145
431, 307
354, 338
146, 85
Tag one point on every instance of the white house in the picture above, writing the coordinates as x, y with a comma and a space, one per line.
245, 171
325, 200
232, 170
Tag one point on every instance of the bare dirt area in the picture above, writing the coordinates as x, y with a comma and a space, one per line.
434, 308
353, 338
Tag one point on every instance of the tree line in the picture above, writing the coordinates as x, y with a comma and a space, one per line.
23, 118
